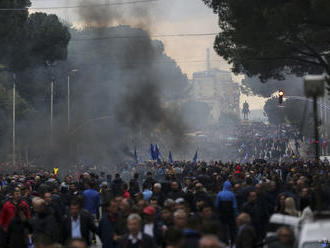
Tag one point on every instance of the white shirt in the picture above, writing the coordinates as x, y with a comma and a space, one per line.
149, 229
135, 240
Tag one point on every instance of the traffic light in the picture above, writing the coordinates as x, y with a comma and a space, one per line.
280, 96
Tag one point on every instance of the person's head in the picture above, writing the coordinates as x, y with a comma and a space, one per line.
149, 174
304, 192
73, 187
134, 222
282, 200
180, 219
154, 202
166, 214
124, 206
285, 235
174, 186
252, 197
47, 197
118, 199
17, 194
136, 175
243, 219
290, 206
210, 241
76, 243
174, 238
149, 214
75, 207
206, 212
112, 207
142, 204
38, 205
157, 187
67, 179
259, 188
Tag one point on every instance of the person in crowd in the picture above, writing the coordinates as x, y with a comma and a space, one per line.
180, 219
290, 207
226, 206
43, 221
111, 226
8, 210
116, 185
91, 200
151, 226
19, 229
173, 238
149, 182
210, 241
257, 212
78, 223
135, 238
175, 191
285, 238
246, 236
76, 243
134, 187
158, 194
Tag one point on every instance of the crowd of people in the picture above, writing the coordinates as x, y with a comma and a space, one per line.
178, 205
259, 141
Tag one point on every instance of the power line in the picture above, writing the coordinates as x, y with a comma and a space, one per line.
145, 36
78, 6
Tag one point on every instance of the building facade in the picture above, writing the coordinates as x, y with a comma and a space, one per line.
217, 89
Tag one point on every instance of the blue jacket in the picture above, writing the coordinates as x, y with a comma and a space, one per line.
226, 196
91, 201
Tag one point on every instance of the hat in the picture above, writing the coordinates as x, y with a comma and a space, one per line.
150, 210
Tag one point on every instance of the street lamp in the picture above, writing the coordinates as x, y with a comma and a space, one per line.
68, 107
14, 120
314, 88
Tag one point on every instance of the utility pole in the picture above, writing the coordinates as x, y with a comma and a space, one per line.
316, 129
69, 97
314, 88
51, 110
14, 120
68, 102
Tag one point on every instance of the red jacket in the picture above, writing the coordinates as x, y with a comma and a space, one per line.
8, 212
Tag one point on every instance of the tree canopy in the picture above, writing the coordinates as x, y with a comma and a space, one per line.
271, 38
28, 40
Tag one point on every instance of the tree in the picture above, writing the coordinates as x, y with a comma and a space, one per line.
273, 111
292, 86
271, 38
30, 40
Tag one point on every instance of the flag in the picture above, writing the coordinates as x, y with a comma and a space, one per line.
195, 156
135, 155
170, 159
55, 171
245, 158
157, 153
152, 152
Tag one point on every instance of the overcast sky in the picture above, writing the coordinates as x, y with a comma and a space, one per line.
170, 17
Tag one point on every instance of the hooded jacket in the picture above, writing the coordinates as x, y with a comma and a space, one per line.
226, 201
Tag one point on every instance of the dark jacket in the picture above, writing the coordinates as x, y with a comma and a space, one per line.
86, 225
191, 238
45, 224
246, 237
146, 242
116, 187
107, 228
17, 235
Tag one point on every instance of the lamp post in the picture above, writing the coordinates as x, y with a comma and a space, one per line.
314, 88
14, 120
68, 96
